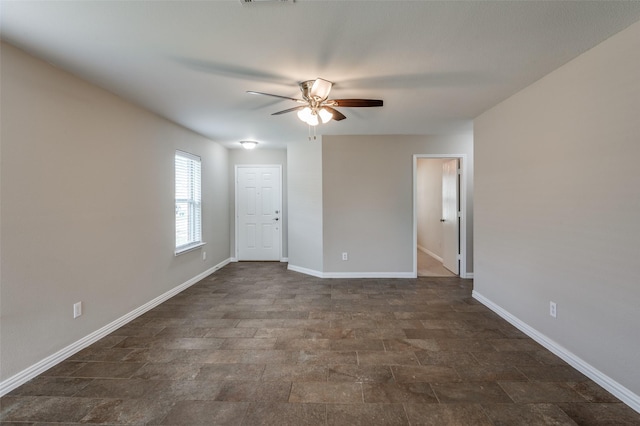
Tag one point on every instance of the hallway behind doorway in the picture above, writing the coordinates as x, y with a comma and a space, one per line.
429, 266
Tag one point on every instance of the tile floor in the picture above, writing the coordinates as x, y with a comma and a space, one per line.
255, 344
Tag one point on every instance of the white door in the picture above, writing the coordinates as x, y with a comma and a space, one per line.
450, 221
258, 212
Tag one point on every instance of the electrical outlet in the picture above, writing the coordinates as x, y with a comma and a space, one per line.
345, 256
553, 309
204, 255
77, 309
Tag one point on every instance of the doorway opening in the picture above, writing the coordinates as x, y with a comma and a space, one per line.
439, 215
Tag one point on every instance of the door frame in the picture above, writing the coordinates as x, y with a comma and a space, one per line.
462, 202
235, 213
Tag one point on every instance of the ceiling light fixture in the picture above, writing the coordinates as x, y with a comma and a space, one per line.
248, 144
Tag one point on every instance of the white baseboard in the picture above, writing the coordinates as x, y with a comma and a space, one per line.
41, 366
468, 275
430, 253
368, 275
319, 274
306, 271
282, 259
615, 388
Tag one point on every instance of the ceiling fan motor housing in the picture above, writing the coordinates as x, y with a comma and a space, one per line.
305, 88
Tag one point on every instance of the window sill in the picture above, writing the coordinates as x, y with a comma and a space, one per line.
188, 248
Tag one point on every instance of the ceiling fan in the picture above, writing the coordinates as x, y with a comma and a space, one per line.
316, 106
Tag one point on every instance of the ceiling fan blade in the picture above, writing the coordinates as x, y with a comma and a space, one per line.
231, 71
337, 115
321, 89
276, 96
298, 108
352, 103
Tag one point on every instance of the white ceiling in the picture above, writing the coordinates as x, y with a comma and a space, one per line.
436, 64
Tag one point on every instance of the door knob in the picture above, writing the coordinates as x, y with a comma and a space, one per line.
441, 220
276, 219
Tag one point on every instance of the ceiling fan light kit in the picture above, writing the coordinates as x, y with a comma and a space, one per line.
313, 117
316, 106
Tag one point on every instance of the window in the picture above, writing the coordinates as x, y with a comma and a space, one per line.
188, 202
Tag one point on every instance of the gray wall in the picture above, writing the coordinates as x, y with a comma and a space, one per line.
87, 213
257, 156
429, 204
558, 205
367, 186
304, 183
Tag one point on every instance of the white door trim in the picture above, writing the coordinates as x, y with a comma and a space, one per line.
463, 209
235, 213
450, 218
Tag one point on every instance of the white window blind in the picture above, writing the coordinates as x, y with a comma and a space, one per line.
188, 202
